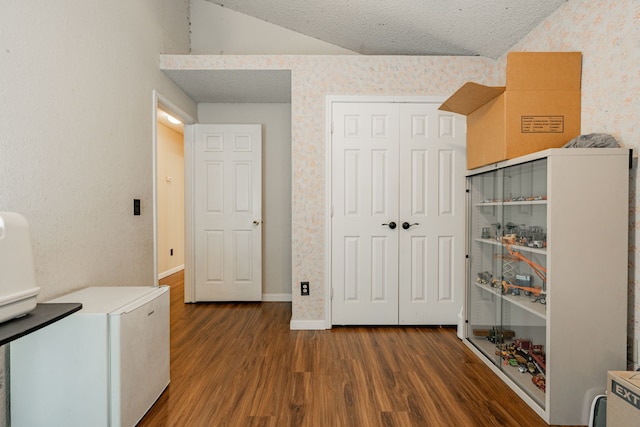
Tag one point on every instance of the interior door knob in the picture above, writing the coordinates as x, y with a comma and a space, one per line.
256, 222
407, 226
392, 225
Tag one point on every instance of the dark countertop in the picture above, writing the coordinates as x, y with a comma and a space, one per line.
41, 316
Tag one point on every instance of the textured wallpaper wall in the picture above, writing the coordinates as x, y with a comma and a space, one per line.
607, 32
312, 79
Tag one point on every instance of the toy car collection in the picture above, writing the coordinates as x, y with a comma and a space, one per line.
523, 356
514, 276
532, 236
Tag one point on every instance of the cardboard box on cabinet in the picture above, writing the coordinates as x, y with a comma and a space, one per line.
623, 398
538, 109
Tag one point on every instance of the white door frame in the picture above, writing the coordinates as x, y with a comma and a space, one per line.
330, 100
161, 101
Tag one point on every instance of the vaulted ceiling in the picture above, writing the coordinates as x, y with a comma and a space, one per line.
371, 27
406, 27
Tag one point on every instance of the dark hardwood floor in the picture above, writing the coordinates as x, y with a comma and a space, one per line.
238, 364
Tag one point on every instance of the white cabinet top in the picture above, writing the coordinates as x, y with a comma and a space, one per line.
110, 299
551, 152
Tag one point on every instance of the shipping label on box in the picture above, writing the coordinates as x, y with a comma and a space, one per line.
542, 124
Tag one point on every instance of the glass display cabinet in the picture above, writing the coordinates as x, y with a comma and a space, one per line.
546, 274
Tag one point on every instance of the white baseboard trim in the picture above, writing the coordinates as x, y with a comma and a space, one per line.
276, 297
307, 325
170, 272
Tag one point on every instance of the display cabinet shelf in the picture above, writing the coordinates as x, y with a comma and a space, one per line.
523, 301
546, 291
521, 248
512, 203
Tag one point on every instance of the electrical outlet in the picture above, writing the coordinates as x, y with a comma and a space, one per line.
304, 288
136, 206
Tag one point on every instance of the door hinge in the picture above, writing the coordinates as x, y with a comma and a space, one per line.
331, 128
331, 211
331, 294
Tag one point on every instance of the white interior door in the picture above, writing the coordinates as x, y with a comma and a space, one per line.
365, 197
228, 212
397, 163
432, 194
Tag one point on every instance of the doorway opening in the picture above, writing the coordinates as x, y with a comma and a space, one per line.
170, 193
170, 249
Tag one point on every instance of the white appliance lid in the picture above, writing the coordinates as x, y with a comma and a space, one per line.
107, 299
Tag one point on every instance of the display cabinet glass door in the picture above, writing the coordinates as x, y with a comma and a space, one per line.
485, 218
507, 271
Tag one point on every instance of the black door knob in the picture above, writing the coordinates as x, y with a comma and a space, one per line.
407, 226
392, 225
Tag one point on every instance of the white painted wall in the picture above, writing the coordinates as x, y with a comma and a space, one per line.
220, 30
276, 184
76, 142
170, 187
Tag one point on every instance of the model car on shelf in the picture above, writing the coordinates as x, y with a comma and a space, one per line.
484, 278
540, 381
522, 344
532, 236
508, 288
495, 335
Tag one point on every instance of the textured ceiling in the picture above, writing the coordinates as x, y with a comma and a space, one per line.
373, 27
406, 27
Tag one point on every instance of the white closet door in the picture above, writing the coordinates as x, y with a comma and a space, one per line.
365, 197
397, 164
432, 194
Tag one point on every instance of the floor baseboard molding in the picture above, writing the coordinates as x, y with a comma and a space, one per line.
276, 297
170, 272
308, 325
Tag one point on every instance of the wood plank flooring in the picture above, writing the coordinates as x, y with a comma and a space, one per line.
238, 364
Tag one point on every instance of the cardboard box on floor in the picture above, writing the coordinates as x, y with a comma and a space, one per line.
623, 398
538, 109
